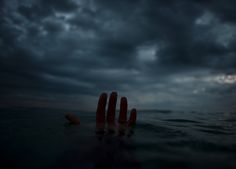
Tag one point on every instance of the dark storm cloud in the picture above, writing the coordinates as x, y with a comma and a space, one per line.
160, 53
42, 8
172, 25
225, 10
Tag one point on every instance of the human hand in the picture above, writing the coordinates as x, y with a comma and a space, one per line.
109, 151
107, 122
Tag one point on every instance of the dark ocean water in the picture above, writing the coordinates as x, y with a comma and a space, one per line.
41, 139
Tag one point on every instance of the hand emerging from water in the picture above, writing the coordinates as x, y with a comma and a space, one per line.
106, 122
109, 151
114, 152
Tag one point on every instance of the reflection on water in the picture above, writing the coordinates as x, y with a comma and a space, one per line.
40, 138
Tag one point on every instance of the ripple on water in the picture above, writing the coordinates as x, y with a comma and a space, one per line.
214, 129
215, 132
181, 121
162, 139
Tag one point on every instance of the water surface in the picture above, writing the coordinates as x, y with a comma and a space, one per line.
41, 139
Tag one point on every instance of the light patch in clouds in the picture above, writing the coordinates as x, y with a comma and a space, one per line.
219, 79
199, 90
147, 53
224, 79
205, 19
223, 33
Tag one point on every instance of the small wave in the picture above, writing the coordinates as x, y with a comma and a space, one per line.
181, 121
152, 127
217, 127
230, 120
216, 132
157, 111
201, 145
164, 132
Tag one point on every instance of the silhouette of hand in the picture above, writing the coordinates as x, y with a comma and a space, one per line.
106, 122
108, 151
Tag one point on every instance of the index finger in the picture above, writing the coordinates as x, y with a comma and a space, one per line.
100, 114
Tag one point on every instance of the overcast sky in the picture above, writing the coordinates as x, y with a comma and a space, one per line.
161, 54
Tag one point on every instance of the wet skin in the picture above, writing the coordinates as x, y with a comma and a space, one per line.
106, 121
113, 150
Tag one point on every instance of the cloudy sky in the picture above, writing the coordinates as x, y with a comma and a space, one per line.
161, 54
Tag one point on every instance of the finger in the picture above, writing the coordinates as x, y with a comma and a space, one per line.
100, 115
123, 110
73, 119
132, 118
111, 110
